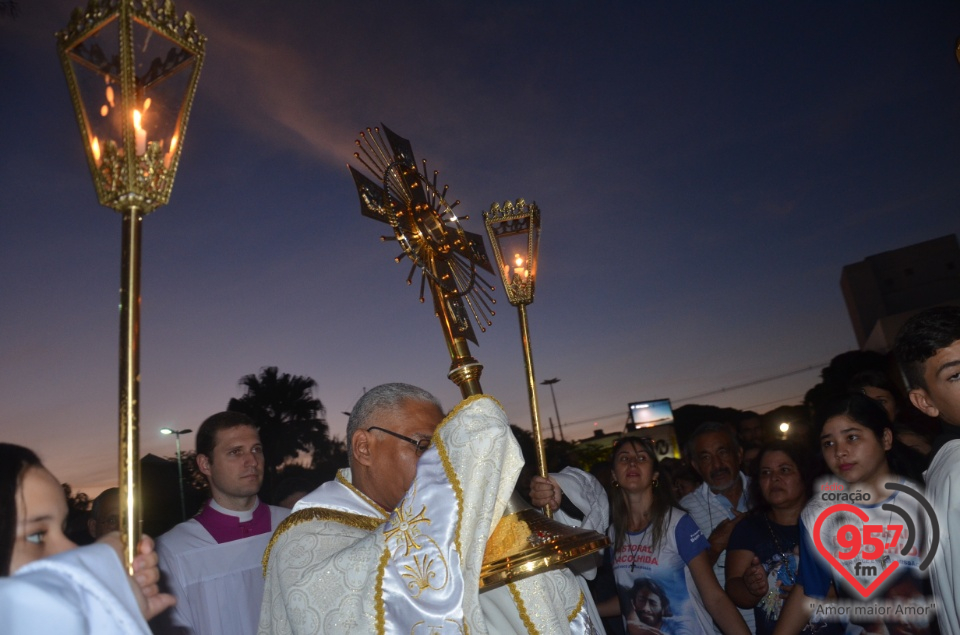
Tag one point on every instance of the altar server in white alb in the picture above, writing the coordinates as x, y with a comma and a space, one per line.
395, 543
212, 562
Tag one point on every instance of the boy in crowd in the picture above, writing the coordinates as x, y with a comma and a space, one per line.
928, 349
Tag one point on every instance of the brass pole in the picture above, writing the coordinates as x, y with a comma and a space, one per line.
532, 392
130, 509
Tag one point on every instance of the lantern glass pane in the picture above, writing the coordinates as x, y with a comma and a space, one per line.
163, 73
95, 63
514, 249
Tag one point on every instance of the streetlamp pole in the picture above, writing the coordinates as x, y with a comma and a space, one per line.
177, 433
551, 382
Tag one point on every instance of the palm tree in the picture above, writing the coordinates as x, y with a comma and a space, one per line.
291, 419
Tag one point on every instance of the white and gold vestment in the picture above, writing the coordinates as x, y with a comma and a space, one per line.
341, 564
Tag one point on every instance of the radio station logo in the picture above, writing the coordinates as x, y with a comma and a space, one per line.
863, 547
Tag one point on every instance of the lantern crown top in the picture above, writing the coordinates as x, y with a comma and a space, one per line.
161, 17
510, 210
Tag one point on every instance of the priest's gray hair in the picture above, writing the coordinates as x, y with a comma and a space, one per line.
383, 397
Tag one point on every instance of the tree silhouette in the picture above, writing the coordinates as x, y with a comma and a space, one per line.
291, 419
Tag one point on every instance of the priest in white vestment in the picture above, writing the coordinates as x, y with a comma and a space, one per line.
211, 562
394, 545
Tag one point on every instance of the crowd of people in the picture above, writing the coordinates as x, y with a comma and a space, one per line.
741, 535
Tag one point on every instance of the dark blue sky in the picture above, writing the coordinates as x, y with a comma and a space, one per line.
704, 171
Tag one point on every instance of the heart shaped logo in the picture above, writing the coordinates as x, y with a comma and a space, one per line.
832, 558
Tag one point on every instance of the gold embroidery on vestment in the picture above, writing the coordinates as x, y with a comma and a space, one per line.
381, 619
405, 529
310, 514
448, 467
426, 568
350, 486
521, 609
577, 610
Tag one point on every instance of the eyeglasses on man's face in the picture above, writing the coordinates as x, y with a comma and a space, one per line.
422, 445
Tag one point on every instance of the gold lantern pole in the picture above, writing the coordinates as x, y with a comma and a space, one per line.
514, 230
132, 69
524, 542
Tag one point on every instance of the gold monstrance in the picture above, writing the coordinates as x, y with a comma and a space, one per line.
524, 542
132, 68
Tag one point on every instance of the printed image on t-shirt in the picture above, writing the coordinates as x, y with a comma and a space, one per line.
655, 590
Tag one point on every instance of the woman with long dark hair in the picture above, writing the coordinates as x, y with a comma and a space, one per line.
763, 551
869, 470
665, 582
47, 583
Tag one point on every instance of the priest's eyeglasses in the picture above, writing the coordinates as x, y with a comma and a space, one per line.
422, 445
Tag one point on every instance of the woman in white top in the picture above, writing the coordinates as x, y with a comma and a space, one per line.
665, 583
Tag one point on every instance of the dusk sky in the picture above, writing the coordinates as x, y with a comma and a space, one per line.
704, 170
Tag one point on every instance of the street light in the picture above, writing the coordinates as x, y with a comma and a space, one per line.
183, 503
551, 382
132, 70
514, 231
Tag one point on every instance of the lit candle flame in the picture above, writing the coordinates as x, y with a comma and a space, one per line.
519, 273
140, 135
168, 157
95, 146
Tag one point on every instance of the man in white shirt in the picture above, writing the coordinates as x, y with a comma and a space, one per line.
721, 501
211, 563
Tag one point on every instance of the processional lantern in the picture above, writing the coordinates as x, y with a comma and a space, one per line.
514, 232
398, 192
132, 69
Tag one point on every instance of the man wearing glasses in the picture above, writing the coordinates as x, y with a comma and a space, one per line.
395, 543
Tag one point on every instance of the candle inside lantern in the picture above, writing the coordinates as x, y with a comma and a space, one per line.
139, 133
168, 157
95, 146
519, 271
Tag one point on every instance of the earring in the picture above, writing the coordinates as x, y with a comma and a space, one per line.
616, 484
655, 483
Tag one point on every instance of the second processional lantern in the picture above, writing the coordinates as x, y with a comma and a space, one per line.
132, 68
397, 192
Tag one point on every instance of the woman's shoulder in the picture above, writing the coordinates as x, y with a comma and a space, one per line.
680, 521
674, 514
